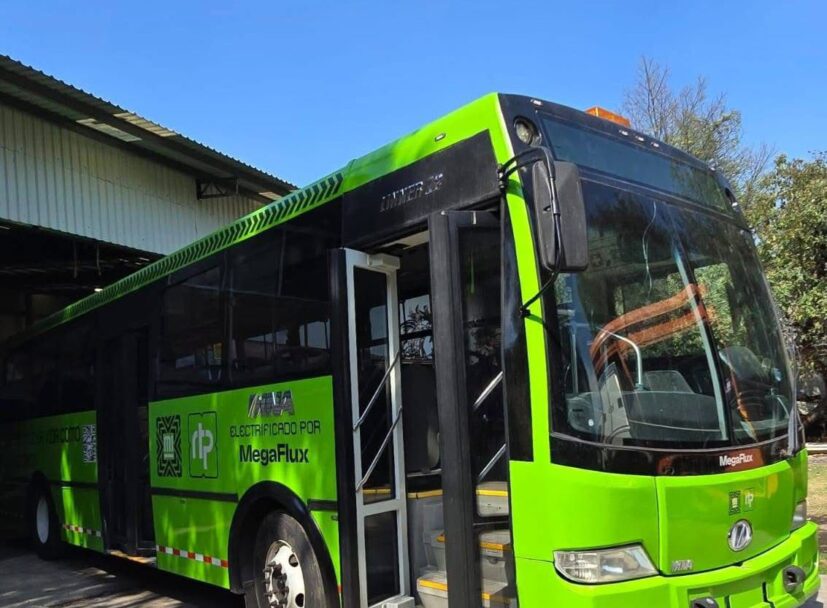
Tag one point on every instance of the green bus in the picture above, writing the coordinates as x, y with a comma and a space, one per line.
523, 355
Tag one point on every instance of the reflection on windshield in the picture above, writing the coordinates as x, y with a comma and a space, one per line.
668, 339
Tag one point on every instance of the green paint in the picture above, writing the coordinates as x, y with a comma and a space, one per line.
62, 449
218, 443
539, 584
209, 444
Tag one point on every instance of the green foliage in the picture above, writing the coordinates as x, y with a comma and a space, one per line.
789, 215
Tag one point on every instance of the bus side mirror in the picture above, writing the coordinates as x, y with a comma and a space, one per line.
560, 195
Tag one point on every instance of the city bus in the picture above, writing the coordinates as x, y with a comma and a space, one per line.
523, 356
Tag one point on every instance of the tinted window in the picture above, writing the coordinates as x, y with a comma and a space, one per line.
192, 329
253, 277
76, 358
16, 400
303, 310
44, 379
633, 162
279, 308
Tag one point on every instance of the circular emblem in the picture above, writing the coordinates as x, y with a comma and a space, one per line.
740, 535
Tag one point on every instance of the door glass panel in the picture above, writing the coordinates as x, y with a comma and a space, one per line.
381, 556
480, 277
372, 361
480, 280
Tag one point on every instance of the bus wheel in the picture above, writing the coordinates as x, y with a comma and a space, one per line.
44, 526
287, 570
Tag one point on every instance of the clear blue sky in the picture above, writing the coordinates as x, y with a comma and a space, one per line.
300, 88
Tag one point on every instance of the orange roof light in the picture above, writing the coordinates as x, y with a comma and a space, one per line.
606, 115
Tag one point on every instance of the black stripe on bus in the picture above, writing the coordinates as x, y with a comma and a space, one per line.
86, 485
322, 505
220, 496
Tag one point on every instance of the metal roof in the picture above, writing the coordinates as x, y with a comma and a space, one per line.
32, 90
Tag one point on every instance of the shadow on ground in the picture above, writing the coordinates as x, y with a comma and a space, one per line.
88, 579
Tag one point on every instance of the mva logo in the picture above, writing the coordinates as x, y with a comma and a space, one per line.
203, 453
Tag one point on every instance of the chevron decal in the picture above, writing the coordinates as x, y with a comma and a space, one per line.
275, 213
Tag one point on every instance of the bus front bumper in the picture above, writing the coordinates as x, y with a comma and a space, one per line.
756, 583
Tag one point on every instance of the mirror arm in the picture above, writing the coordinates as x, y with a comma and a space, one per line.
524, 309
526, 158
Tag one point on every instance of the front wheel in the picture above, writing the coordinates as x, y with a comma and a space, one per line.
44, 525
287, 570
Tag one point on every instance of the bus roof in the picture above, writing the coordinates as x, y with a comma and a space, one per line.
437, 135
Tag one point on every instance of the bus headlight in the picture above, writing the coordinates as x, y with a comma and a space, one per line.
800, 515
604, 565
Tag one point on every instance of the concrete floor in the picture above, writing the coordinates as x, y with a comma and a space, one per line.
86, 579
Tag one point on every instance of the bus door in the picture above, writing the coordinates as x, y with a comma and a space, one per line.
123, 443
375, 422
465, 254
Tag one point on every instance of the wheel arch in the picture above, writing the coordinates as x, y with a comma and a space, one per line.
259, 500
37, 482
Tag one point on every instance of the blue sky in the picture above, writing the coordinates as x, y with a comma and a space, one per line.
300, 88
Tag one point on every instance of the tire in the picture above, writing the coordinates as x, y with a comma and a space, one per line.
285, 566
44, 526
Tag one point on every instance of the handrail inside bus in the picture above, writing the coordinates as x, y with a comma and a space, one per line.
487, 391
379, 453
494, 460
377, 392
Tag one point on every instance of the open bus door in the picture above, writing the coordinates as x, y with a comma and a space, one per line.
374, 499
466, 292
123, 458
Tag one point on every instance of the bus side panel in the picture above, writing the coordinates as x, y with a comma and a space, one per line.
63, 449
206, 451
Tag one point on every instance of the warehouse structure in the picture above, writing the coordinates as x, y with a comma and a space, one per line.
90, 192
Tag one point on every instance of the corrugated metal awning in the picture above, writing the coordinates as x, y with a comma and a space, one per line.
32, 90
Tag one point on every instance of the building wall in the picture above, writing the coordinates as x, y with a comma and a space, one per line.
58, 179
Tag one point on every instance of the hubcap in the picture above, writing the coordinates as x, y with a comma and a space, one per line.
283, 578
42, 520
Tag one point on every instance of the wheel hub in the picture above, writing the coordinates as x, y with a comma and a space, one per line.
42, 520
283, 578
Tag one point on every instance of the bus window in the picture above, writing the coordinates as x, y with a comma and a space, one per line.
192, 334
303, 307
279, 309
252, 301
77, 369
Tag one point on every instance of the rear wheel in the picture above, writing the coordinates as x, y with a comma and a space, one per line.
287, 570
44, 525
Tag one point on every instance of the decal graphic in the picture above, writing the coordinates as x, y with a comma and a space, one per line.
273, 403
412, 192
82, 530
198, 557
682, 565
89, 437
281, 453
203, 434
749, 499
733, 461
168, 445
735, 502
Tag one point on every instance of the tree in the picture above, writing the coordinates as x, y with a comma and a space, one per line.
789, 216
700, 124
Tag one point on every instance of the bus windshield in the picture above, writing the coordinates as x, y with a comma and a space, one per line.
669, 339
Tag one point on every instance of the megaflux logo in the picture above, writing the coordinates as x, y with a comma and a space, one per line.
731, 461
281, 453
